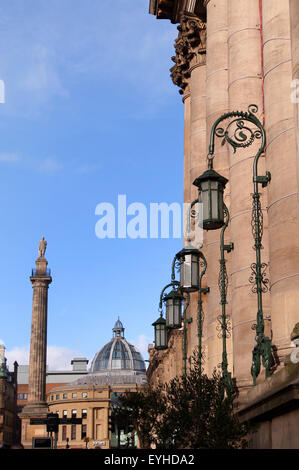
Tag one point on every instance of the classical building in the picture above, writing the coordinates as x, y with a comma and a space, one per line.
9, 422
117, 367
236, 61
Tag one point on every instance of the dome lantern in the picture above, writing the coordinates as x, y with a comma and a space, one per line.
118, 329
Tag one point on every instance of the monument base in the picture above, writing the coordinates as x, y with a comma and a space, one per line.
31, 431
35, 410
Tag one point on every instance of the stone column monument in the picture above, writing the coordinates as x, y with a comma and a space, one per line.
37, 406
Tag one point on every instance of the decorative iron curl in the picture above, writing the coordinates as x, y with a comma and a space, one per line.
224, 328
237, 134
254, 277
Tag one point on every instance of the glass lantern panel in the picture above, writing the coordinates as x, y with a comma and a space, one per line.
205, 185
186, 271
221, 208
205, 205
176, 312
194, 271
214, 197
189, 272
163, 342
169, 312
173, 312
160, 336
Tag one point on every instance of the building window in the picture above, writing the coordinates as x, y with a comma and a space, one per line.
73, 432
21, 396
64, 414
64, 396
74, 395
83, 431
52, 397
84, 395
57, 397
84, 414
74, 413
25, 396
64, 432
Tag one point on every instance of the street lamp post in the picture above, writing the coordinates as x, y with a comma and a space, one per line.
173, 306
224, 318
193, 265
239, 133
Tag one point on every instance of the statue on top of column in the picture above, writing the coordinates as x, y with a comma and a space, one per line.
42, 247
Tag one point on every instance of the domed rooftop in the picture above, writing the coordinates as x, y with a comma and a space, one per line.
118, 354
117, 363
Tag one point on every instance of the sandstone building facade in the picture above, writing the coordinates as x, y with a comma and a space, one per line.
116, 368
229, 55
9, 422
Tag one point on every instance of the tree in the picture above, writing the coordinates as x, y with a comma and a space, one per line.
191, 411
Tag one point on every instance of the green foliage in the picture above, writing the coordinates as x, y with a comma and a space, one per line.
190, 411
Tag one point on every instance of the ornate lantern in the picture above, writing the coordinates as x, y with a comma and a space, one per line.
173, 302
160, 333
211, 186
189, 269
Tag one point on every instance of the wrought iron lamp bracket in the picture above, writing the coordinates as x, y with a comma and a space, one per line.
205, 290
240, 134
174, 284
228, 248
263, 180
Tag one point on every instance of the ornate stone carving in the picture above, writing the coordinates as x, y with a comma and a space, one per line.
190, 48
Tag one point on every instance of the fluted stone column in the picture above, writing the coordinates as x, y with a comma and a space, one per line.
294, 23
245, 88
197, 143
40, 280
190, 74
217, 104
281, 162
187, 185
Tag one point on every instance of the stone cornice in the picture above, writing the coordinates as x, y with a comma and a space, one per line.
190, 48
173, 9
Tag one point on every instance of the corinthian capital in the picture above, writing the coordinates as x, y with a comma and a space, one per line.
190, 48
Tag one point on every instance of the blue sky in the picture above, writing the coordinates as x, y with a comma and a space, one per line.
90, 112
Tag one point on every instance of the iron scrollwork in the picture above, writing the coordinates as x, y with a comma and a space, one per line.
224, 320
239, 133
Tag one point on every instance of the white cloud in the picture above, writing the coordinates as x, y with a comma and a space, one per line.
42, 79
21, 355
43, 165
141, 344
49, 165
58, 357
9, 157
